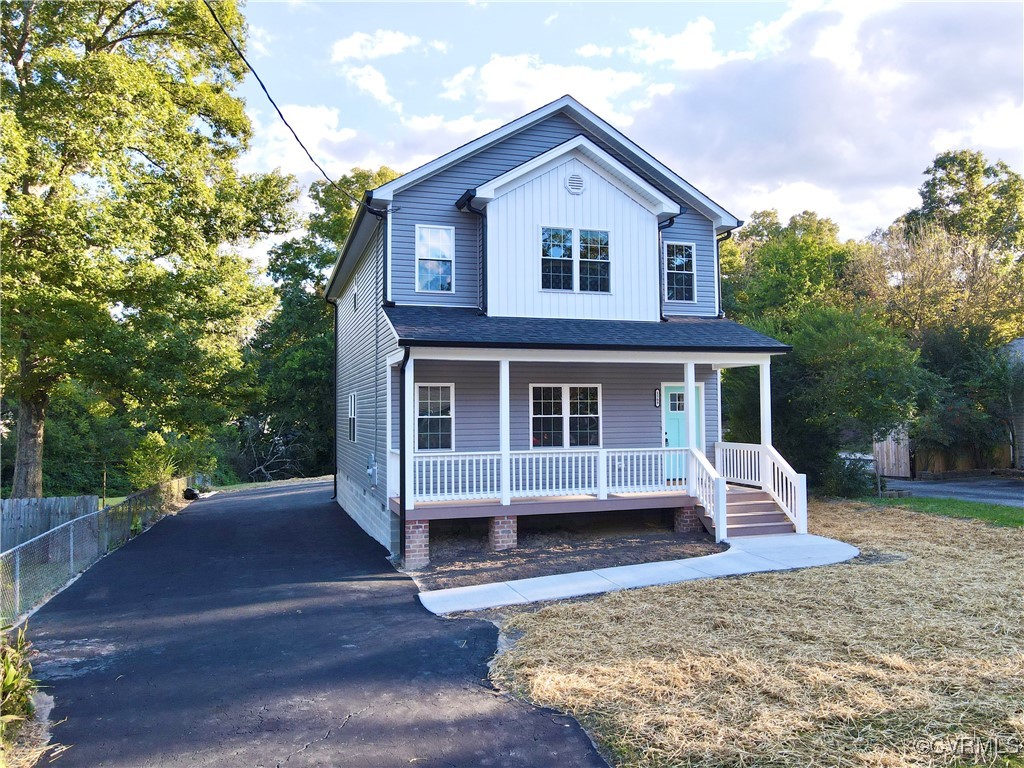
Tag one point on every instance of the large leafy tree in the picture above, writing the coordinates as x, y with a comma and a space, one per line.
120, 133
784, 270
969, 196
293, 349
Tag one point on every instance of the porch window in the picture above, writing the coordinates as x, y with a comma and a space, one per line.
435, 417
679, 273
561, 248
435, 258
565, 415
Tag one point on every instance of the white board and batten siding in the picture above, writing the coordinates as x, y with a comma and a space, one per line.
515, 221
366, 339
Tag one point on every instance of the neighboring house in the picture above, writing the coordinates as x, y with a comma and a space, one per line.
1014, 352
531, 324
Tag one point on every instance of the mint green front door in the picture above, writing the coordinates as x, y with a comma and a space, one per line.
674, 406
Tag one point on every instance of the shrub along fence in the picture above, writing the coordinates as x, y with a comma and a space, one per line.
35, 570
24, 519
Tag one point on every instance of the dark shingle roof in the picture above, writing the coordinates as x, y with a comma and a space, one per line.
465, 327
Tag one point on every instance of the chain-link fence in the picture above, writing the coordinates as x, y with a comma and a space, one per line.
32, 572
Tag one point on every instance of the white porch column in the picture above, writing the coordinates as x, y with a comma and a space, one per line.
504, 432
765, 370
409, 425
690, 398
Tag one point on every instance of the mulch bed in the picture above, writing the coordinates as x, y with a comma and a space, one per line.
459, 555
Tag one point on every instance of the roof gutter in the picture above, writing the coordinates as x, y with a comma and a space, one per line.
663, 225
334, 393
718, 265
464, 203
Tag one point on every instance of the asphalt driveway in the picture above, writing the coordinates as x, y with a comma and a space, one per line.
263, 628
993, 490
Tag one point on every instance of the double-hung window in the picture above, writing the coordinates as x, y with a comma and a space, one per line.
435, 258
565, 415
435, 416
352, 416
679, 272
566, 252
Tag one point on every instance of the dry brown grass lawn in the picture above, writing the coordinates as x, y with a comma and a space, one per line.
920, 638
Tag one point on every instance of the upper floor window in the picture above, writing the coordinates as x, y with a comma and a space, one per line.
679, 272
435, 258
558, 249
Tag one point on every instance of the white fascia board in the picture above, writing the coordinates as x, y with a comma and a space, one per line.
668, 357
357, 239
594, 158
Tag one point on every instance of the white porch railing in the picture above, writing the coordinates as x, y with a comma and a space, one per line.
456, 476
739, 462
710, 487
555, 473
645, 470
763, 466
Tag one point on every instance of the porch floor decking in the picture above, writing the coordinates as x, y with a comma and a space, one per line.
545, 505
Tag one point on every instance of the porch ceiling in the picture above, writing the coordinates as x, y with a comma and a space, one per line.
466, 327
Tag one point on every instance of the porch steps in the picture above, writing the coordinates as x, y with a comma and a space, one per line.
751, 513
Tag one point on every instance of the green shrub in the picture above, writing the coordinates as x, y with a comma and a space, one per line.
16, 683
848, 479
151, 462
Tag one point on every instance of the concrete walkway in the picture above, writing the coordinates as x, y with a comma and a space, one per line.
747, 554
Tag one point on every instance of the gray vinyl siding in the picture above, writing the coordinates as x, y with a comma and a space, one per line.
629, 417
364, 341
693, 227
432, 201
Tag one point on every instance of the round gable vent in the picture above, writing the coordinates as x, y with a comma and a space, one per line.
574, 183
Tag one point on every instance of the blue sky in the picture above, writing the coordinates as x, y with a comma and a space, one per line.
835, 107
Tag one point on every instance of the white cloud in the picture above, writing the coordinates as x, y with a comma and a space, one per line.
691, 49
362, 46
772, 37
467, 125
550, 19
455, 86
590, 50
998, 129
258, 42
512, 85
321, 130
438, 45
370, 81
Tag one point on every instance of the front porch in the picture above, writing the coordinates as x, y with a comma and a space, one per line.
490, 401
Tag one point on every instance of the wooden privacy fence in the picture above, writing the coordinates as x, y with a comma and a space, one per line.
32, 572
24, 519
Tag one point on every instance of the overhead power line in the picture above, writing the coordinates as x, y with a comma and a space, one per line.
280, 114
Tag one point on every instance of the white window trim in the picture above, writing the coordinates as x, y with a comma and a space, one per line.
353, 421
565, 419
665, 270
575, 261
451, 399
415, 250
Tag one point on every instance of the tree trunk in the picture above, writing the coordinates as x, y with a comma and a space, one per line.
28, 459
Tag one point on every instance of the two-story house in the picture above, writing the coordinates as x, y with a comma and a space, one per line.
531, 324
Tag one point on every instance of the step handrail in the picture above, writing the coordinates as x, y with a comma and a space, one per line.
710, 489
786, 486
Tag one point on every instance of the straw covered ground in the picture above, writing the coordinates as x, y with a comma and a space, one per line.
886, 660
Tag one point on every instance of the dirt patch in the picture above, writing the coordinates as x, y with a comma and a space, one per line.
910, 655
459, 554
